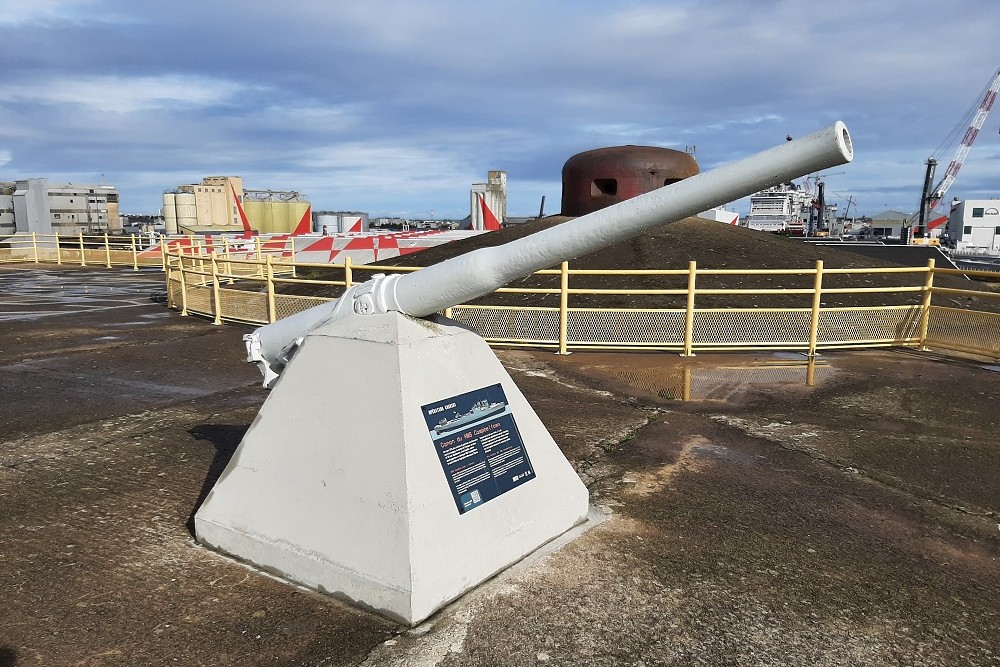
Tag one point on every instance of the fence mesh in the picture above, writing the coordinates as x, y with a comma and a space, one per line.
285, 304
887, 324
243, 306
626, 327
964, 330
511, 324
717, 328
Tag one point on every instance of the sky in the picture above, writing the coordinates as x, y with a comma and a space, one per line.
397, 107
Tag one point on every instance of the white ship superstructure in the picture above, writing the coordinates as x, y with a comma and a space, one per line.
782, 208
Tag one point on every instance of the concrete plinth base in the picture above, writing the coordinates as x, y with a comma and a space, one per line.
396, 464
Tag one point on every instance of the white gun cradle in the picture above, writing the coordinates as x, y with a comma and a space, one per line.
395, 463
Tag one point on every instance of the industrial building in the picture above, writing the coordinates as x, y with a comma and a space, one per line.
889, 224
974, 226
219, 203
34, 205
341, 222
488, 202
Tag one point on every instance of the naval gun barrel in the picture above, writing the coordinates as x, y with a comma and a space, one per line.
477, 273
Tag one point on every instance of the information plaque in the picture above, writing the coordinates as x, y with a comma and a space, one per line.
479, 446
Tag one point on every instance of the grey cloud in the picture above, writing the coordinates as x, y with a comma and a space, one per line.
392, 106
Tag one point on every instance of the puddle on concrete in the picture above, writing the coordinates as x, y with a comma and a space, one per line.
713, 377
796, 356
720, 452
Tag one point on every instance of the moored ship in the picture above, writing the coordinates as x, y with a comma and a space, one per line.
783, 208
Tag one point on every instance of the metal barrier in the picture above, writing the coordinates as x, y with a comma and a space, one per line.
80, 249
238, 280
146, 250
205, 285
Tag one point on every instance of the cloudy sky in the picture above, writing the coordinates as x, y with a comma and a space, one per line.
395, 107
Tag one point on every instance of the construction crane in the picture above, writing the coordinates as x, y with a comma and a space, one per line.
931, 196
850, 202
817, 213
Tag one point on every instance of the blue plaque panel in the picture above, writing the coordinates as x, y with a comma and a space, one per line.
479, 446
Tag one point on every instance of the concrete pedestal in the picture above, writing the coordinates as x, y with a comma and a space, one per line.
346, 483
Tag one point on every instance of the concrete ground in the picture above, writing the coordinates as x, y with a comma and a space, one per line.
763, 522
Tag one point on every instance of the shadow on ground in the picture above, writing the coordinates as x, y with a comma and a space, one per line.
225, 438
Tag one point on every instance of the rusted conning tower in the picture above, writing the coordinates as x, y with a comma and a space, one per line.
595, 179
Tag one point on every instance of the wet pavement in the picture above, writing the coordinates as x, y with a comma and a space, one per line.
843, 512
30, 294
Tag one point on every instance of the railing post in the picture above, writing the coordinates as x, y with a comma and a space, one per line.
135, 254
58, 250
689, 311
203, 250
184, 296
107, 251
163, 253
258, 244
34, 245
925, 306
563, 307
817, 301
272, 314
170, 298
216, 296
291, 241
83, 260
348, 273
229, 265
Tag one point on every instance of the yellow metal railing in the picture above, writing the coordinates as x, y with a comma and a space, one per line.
198, 284
79, 249
109, 250
241, 280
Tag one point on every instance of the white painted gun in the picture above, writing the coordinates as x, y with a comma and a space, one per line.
475, 274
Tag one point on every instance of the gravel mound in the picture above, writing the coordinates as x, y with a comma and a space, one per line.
713, 246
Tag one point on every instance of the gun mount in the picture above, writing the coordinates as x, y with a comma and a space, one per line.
404, 502
482, 271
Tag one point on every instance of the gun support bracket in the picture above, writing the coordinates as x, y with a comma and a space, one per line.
375, 296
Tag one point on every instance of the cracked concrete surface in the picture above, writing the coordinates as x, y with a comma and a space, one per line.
766, 523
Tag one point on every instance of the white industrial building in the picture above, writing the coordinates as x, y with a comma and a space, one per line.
974, 226
488, 202
34, 205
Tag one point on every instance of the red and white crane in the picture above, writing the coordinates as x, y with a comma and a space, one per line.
932, 196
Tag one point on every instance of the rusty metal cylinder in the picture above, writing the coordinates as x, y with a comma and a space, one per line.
606, 176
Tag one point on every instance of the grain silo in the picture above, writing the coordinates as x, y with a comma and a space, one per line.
187, 212
170, 212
